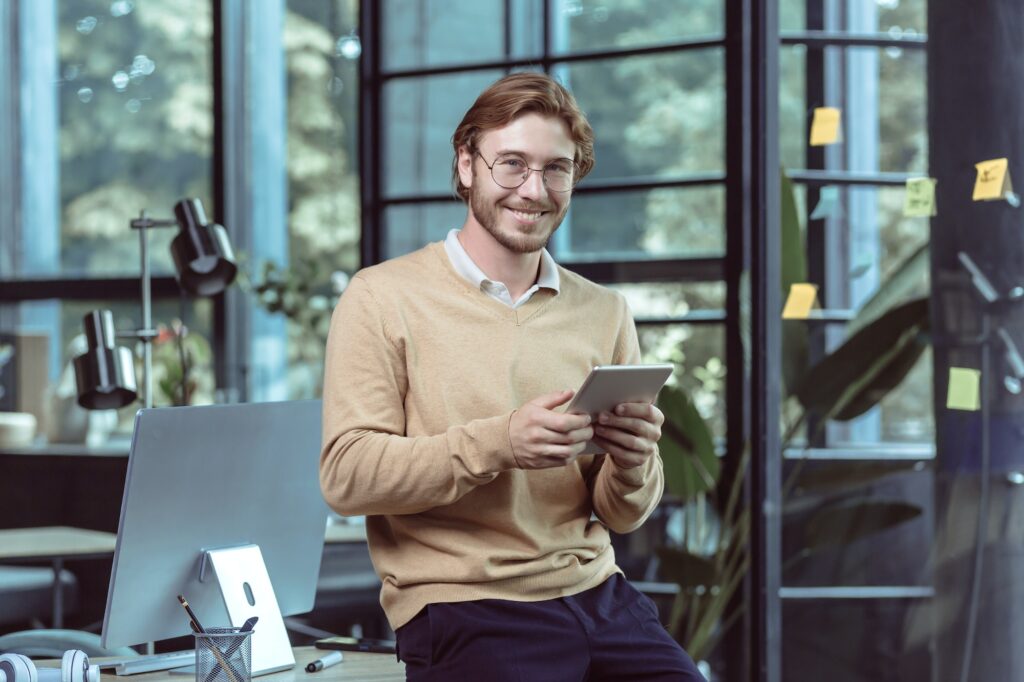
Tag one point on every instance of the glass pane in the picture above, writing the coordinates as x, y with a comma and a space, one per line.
670, 299
793, 112
792, 15
901, 18
902, 109
698, 351
418, 33
322, 60
874, 237
323, 132
853, 640
55, 333
885, 117
420, 116
897, 17
134, 94
682, 221
835, 532
410, 226
659, 115
619, 24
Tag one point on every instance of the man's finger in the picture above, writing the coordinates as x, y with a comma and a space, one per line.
550, 401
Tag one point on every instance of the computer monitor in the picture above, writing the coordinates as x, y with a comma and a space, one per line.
205, 485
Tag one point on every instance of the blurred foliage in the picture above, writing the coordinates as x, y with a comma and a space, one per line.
182, 367
136, 110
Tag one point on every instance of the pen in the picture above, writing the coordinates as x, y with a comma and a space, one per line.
191, 616
198, 629
325, 661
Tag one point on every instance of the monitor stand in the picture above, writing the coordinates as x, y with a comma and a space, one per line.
246, 589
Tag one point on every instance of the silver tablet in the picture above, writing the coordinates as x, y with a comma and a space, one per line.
608, 385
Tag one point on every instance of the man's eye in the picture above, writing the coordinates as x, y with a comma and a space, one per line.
560, 168
512, 163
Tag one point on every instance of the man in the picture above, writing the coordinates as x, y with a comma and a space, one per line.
445, 372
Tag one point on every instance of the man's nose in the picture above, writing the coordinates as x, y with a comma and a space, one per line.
534, 187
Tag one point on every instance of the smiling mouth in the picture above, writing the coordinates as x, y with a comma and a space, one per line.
526, 216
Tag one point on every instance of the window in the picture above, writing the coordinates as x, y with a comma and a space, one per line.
114, 115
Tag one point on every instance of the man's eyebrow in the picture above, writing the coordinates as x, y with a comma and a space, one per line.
517, 152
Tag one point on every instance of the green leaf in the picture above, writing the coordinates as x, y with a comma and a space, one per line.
832, 476
851, 520
794, 271
868, 364
885, 375
685, 569
686, 446
909, 279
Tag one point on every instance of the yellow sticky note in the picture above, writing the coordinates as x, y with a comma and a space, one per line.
825, 126
993, 181
802, 298
964, 389
919, 199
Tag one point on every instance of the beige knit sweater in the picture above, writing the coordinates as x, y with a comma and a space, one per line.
422, 375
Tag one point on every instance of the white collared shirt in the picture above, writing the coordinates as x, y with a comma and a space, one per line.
464, 265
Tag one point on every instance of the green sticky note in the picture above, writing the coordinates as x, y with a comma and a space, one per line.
964, 389
919, 199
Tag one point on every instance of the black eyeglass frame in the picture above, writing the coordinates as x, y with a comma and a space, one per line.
526, 175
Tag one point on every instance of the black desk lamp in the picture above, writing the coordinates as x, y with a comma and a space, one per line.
204, 266
104, 374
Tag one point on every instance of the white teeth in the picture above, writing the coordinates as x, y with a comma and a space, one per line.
524, 215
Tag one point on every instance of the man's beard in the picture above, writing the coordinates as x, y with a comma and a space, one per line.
488, 214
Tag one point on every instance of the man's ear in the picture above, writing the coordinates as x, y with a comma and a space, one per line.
465, 166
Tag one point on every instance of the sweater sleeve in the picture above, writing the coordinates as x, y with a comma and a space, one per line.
367, 463
623, 498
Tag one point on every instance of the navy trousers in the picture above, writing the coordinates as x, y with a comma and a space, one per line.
610, 632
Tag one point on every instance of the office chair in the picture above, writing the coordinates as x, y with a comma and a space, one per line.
27, 593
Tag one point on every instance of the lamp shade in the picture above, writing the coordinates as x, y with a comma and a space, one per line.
104, 374
202, 251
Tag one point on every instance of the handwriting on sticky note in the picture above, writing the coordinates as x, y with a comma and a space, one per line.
919, 200
825, 126
993, 180
964, 389
802, 298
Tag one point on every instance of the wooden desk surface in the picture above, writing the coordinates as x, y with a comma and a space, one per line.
48, 542
356, 666
65, 542
344, 532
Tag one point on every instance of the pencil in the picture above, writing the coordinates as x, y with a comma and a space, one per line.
191, 615
198, 629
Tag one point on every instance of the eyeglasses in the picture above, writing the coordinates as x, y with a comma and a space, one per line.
510, 171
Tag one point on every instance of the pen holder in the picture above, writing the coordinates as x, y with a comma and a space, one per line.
224, 655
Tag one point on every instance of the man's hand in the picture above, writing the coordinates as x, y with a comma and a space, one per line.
630, 435
542, 438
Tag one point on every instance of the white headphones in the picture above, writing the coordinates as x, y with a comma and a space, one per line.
74, 667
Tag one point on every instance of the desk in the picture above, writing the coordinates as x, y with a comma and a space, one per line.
338, 533
347, 576
55, 544
356, 666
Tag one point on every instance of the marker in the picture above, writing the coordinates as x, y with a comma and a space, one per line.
325, 661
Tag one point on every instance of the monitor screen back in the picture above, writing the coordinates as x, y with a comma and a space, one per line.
211, 477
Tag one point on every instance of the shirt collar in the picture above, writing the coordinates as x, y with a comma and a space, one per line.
464, 265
